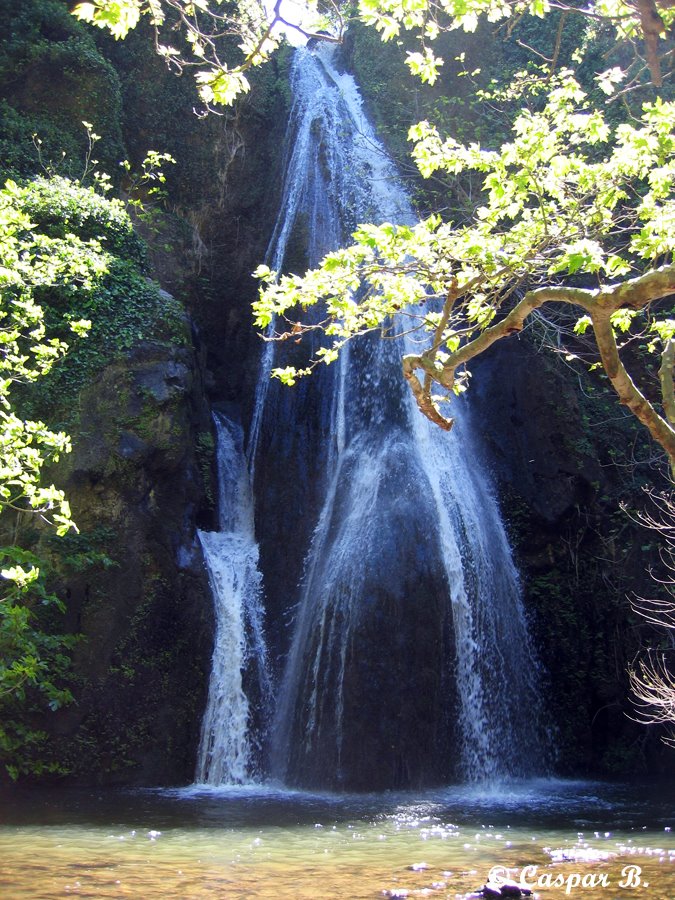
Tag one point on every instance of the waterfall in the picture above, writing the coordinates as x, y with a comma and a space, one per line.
319, 192
392, 600
229, 751
408, 660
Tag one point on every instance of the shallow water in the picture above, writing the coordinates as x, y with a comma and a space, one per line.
267, 843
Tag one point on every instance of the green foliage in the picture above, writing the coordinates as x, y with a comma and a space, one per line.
60, 207
570, 194
33, 662
524, 229
52, 77
70, 265
34, 261
393, 17
118, 17
199, 39
125, 309
121, 305
550, 204
79, 552
31, 263
196, 31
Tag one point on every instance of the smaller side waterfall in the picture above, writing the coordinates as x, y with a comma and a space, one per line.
240, 688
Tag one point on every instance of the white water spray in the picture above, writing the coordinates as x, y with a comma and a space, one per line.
386, 455
229, 747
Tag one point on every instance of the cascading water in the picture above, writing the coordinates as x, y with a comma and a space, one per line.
229, 751
409, 661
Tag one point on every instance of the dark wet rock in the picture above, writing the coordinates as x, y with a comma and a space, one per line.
504, 888
551, 438
511, 889
131, 446
133, 581
537, 436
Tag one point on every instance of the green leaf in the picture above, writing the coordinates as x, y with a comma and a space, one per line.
582, 325
425, 65
118, 16
622, 319
221, 86
287, 375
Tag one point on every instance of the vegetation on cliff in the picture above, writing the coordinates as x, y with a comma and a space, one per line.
35, 262
73, 294
126, 587
71, 264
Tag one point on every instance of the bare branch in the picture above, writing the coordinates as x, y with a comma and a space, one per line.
656, 611
653, 685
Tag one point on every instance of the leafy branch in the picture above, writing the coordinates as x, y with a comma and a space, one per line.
567, 196
208, 29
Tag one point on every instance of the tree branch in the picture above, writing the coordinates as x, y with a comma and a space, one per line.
599, 303
511, 324
652, 29
666, 379
654, 688
628, 392
636, 293
423, 396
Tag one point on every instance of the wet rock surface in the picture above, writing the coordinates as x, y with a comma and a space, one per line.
566, 461
133, 578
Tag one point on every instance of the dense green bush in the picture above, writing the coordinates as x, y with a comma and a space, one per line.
123, 305
34, 664
52, 78
58, 207
68, 254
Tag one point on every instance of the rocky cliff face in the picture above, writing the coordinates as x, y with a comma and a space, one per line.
567, 461
133, 579
140, 477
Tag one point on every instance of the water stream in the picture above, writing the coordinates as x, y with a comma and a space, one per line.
240, 688
408, 591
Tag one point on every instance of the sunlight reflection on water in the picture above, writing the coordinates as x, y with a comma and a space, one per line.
269, 843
